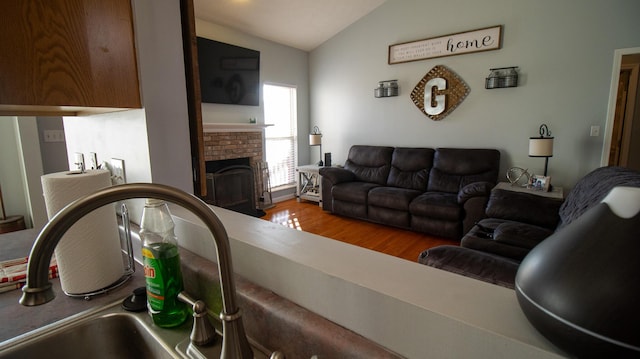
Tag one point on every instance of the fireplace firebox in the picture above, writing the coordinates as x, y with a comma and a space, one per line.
231, 185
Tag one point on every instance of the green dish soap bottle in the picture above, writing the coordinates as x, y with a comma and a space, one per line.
161, 262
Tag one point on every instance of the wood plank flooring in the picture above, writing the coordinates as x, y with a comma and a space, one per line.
309, 217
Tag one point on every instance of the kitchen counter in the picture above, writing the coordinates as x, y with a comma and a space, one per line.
272, 321
18, 319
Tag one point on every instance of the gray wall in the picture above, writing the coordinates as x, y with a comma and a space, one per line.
564, 50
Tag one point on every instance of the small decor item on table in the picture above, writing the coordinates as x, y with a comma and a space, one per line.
540, 183
518, 176
327, 159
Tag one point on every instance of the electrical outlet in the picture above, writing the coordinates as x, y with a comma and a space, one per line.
595, 131
53, 136
118, 175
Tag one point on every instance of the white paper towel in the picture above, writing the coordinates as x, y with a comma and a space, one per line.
89, 255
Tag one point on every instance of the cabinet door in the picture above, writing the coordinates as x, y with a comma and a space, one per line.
68, 53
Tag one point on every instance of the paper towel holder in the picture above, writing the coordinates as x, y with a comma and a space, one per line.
129, 269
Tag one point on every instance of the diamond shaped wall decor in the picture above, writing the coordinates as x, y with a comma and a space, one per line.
439, 92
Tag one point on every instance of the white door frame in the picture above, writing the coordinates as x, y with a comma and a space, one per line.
613, 92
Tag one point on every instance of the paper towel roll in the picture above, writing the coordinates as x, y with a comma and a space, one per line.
89, 255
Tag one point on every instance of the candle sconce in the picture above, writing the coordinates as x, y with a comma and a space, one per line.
502, 77
386, 89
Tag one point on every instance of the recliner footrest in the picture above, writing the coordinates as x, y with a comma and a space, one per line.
471, 263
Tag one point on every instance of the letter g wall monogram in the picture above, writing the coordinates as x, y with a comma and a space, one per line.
439, 92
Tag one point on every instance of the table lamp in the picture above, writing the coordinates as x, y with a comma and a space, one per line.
315, 139
542, 146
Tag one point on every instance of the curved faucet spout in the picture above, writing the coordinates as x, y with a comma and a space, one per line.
38, 288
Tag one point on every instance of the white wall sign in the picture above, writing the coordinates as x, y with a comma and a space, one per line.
486, 39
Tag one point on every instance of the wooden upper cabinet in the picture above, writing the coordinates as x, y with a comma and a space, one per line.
67, 56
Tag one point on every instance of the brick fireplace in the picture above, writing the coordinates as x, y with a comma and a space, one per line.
228, 143
231, 145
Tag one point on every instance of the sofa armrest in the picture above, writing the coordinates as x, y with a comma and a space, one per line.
330, 177
337, 175
524, 207
475, 189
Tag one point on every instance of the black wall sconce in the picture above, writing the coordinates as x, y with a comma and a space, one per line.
387, 88
502, 77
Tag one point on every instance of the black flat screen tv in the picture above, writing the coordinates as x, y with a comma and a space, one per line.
229, 74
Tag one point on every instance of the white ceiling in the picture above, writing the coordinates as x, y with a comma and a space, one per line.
303, 24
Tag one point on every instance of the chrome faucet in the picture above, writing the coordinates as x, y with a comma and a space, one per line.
38, 289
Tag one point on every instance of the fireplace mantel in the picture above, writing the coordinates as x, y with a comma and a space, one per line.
233, 127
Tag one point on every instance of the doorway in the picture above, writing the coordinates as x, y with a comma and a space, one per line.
622, 139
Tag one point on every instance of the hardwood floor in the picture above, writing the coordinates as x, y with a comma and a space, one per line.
309, 217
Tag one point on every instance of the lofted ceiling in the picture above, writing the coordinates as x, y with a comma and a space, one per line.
303, 24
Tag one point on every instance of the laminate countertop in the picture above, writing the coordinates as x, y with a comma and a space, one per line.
269, 319
17, 319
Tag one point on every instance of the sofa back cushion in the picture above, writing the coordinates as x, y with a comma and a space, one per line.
592, 188
410, 168
369, 163
454, 168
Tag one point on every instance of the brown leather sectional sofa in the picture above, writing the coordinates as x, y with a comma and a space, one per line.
440, 191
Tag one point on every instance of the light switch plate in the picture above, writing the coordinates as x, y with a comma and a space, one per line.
118, 175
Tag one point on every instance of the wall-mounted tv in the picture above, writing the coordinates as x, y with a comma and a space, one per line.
229, 74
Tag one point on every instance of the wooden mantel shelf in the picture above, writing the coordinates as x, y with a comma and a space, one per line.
233, 127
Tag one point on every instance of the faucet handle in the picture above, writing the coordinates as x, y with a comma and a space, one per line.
202, 332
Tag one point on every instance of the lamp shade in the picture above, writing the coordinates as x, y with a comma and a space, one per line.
578, 287
315, 139
541, 147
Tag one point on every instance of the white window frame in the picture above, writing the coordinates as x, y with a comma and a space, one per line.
279, 139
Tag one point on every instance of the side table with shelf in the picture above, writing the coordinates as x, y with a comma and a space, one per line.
555, 192
309, 184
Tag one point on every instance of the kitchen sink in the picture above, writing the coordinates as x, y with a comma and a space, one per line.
111, 332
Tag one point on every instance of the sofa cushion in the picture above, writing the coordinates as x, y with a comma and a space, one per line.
391, 217
410, 168
439, 205
474, 264
356, 192
454, 168
505, 238
369, 163
392, 197
520, 234
523, 207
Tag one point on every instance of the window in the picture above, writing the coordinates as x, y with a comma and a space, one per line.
280, 139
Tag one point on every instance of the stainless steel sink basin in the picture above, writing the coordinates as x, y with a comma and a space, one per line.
110, 332
106, 333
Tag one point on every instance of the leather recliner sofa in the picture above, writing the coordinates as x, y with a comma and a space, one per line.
440, 191
516, 222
